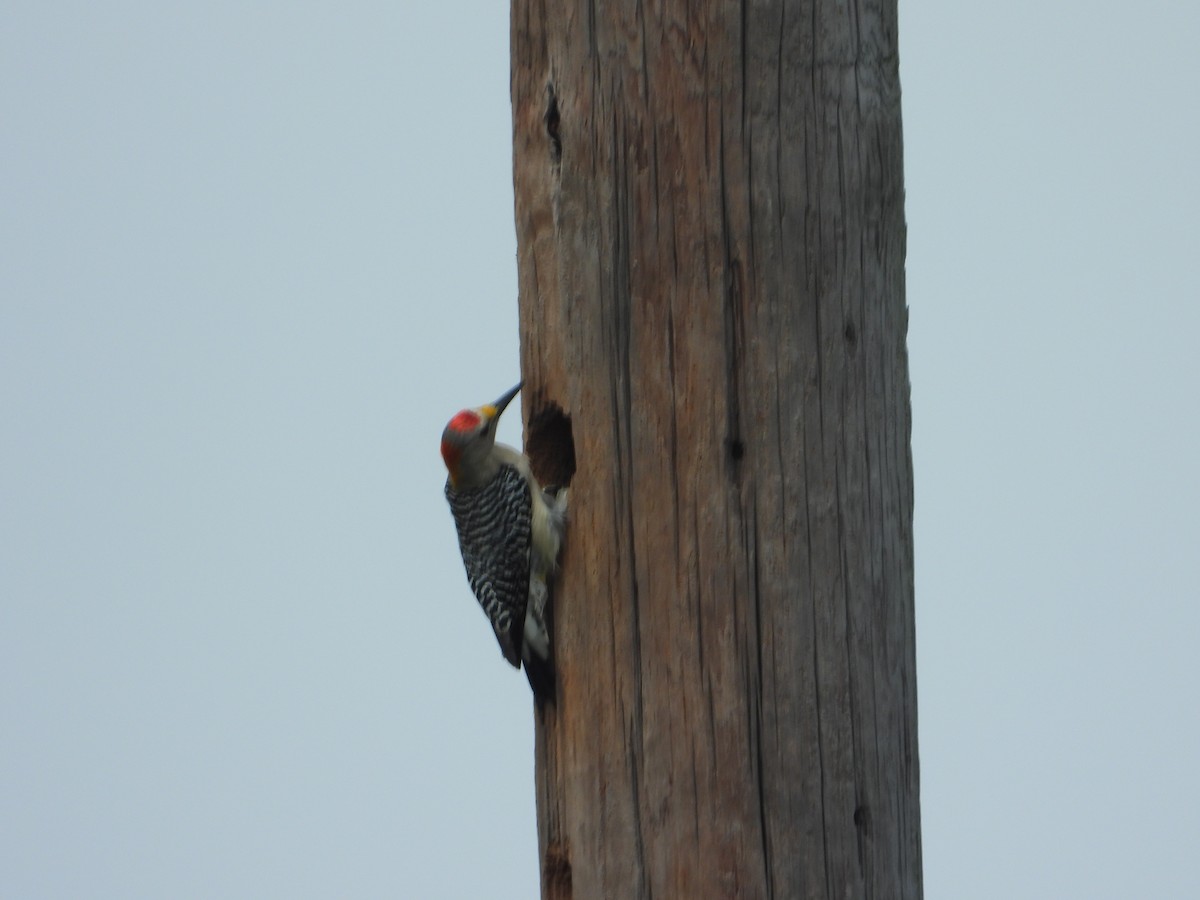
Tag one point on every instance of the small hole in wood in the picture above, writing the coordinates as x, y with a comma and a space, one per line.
551, 446
851, 336
736, 449
552, 121
862, 818
556, 871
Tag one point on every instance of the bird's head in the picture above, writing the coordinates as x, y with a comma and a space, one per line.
468, 439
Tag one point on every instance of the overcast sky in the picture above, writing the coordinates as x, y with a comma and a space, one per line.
254, 255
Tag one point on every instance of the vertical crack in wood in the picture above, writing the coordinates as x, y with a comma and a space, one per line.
621, 300
755, 692
553, 121
735, 340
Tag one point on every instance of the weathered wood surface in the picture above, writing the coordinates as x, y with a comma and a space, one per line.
710, 224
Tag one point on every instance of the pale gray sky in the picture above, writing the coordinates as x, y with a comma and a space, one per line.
253, 256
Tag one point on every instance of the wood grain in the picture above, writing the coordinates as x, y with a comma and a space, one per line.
711, 238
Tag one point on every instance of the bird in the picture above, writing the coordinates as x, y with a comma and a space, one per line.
510, 533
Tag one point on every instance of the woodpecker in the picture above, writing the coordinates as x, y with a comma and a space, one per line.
510, 532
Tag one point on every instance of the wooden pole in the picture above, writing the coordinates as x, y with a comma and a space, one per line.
710, 230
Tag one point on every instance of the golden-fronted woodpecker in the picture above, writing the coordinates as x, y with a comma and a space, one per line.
510, 532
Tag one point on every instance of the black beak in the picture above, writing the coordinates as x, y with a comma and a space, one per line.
506, 399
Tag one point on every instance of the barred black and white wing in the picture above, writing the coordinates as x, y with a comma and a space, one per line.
494, 531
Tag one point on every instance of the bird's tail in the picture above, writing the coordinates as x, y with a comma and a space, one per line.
540, 673
536, 649
535, 646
